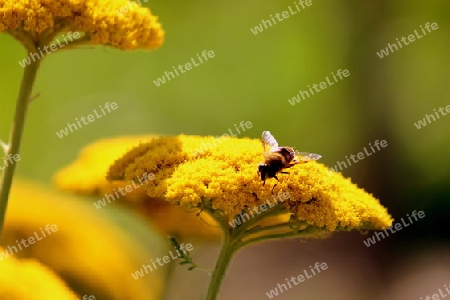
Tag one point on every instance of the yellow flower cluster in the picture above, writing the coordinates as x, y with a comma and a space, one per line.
225, 173
119, 23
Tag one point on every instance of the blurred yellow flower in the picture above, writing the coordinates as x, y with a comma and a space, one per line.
192, 170
95, 252
107, 22
29, 279
87, 176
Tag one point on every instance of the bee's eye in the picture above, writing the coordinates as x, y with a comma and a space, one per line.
287, 154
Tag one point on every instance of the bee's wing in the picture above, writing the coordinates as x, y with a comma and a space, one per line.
305, 156
269, 141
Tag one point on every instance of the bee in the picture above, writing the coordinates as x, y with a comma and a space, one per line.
278, 158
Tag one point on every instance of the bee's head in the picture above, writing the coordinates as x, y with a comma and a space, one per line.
262, 171
288, 153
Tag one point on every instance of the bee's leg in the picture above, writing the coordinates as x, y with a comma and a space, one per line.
264, 182
274, 187
275, 176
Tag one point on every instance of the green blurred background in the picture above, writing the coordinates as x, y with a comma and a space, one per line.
251, 79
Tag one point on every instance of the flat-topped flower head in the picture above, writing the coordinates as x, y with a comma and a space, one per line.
119, 23
219, 174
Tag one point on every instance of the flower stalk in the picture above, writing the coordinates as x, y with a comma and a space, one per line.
18, 124
226, 253
248, 233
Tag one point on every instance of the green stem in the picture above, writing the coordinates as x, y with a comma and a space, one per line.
293, 234
226, 253
273, 211
236, 238
257, 230
26, 87
168, 276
